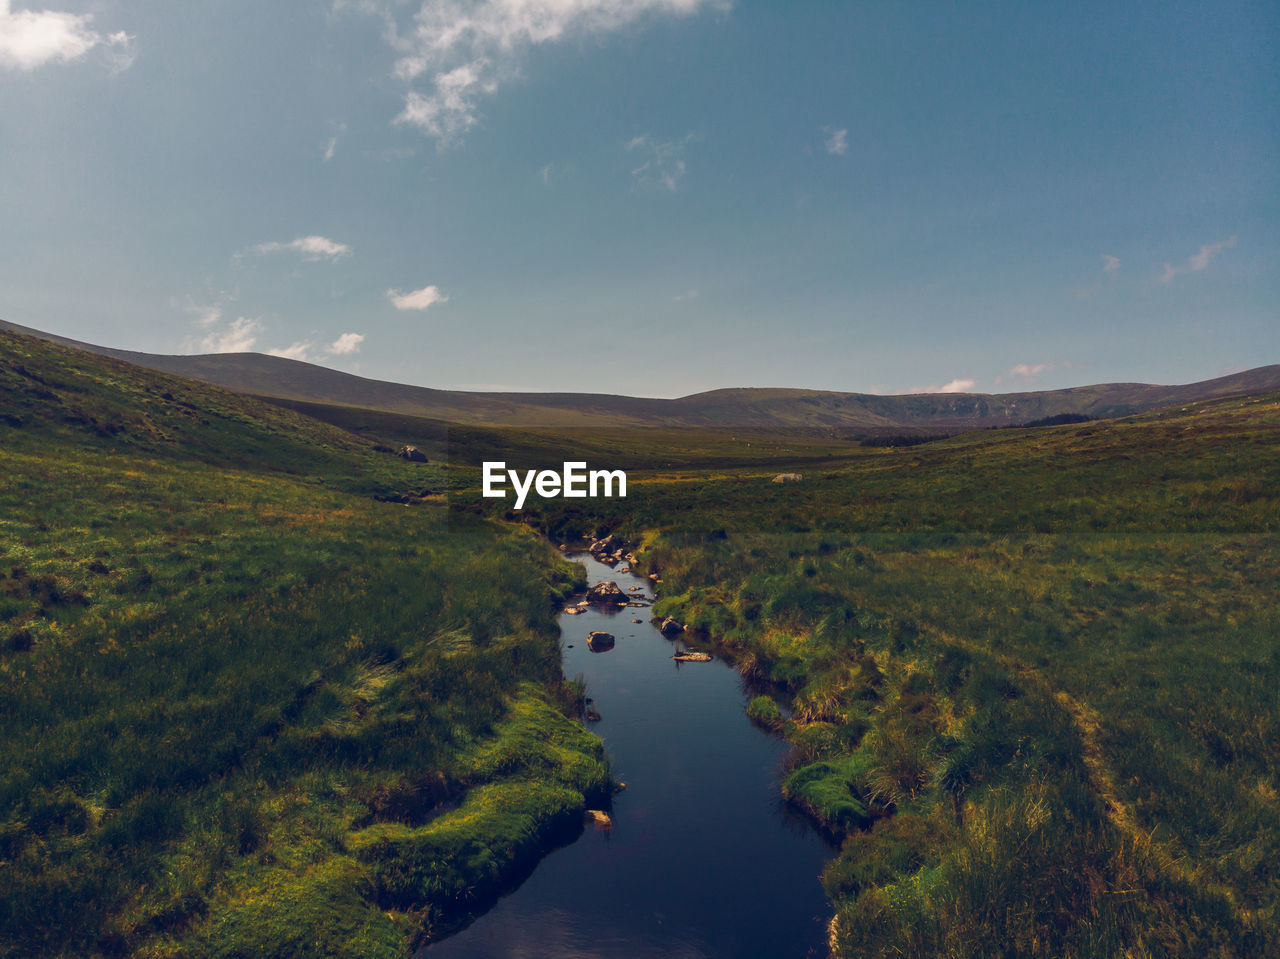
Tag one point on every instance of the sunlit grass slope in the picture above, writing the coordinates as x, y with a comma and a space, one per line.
1031, 677
246, 709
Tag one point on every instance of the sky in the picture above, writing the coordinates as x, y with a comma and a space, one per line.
651, 197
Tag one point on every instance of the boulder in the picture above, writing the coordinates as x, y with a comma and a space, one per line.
606, 594
788, 478
413, 454
598, 641
611, 549
691, 656
670, 627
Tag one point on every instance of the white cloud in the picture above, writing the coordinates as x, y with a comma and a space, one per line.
418, 299
298, 351
663, 160
450, 111
1110, 263
346, 344
463, 50
304, 350
32, 38
958, 385
1197, 261
329, 148
238, 336
311, 247
686, 295
837, 141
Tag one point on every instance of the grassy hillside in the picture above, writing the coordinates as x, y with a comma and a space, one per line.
246, 709
1030, 676
772, 410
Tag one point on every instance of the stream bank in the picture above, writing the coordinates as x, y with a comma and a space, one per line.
701, 859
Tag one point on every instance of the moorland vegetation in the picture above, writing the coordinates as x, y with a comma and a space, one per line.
1028, 676
255, 706
246, 708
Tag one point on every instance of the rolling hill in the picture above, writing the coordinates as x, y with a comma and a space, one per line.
758, 408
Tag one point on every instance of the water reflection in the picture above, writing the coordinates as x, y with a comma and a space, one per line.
703, 860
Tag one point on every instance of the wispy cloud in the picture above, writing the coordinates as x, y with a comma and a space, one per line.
238, 336
1029, 370
462, 51
1197, 261
836, 141
32, 38
449, 111
1110, 267
421, 299
686, 295
206, 316
336, 130
311, 248
663, 160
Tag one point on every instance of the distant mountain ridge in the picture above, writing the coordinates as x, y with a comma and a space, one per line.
742, 408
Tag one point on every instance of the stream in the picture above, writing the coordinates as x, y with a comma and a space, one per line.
703, 859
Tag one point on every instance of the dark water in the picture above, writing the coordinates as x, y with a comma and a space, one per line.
703, 859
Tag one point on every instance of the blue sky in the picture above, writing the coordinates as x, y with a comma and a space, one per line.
653, 197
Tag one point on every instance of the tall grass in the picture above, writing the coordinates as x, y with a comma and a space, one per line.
223, 663
1028, 676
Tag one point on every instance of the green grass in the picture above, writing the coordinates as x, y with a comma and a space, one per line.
1029, 676
224, 665
830, 791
